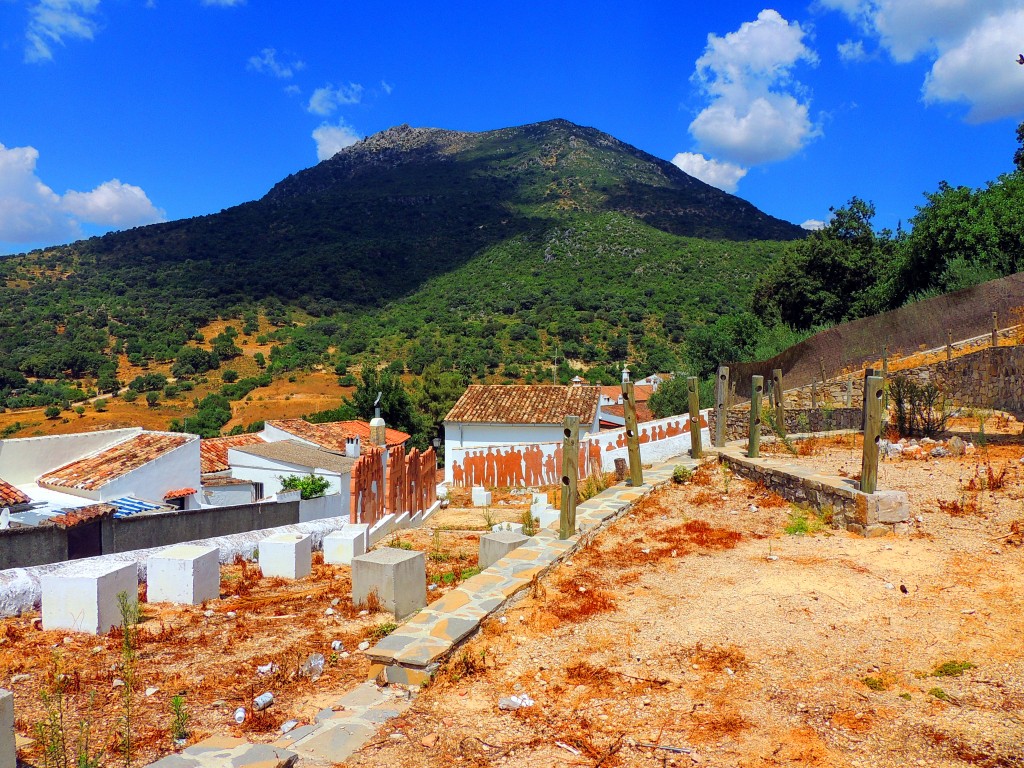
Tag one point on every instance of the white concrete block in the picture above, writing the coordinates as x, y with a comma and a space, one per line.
512, 527
287, 555
402, 520
341, 546
539, 498
481, 496
539, 506
398, 576
186, 574
494, 546
8, 749
547, 517
83, 596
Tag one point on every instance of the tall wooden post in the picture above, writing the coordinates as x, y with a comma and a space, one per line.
721, 404
696, 449
756, 395
885, 375
868, 373
849, 392
995, 329
814, 394
949, 345
821, 367
780, 400
872, 432
570, 475
636, 471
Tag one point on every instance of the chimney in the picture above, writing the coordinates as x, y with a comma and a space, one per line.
377, 434
352, 447
625, 374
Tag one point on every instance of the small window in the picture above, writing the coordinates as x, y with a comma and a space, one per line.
257, 491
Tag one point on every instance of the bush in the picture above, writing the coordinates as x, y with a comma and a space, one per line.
919, 410
309, 486
52, 412
130, 396
230, 376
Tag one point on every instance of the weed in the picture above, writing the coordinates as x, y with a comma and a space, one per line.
398, 543
875, 683
726, 477
768, 418
939, 694
179, 718
803, 523
681, 474
129, 608
905, 696
382, 630
435, 548
489, 521
996, 482
529, 523
959, 508
803, 423
952, 668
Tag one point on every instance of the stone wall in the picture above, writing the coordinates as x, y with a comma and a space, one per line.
844, 504
798, 420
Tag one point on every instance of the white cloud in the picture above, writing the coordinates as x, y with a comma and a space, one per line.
725, 176
224, 3
852, 50
971, 45
813, 225
32, 212
753, 116
113, 204
328, 98
267, 62
331, 139
51, 22
386, 87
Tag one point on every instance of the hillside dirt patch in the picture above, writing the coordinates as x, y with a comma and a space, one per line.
694, 631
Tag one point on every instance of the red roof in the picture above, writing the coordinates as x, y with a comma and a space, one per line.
643, 413
73, 517
181, 493
393, 437
213, 451
97, 470
524, 404
333, 435
9, 495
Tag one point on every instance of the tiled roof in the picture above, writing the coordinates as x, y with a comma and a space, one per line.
642, 392
611, 392
214, 482
73, 517
361, 429
329, 436
294, 452
213, 451
643, 413
524, 404
9, 495
180, 493
97, 470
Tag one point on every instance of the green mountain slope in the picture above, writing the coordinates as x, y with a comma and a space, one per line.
411, 238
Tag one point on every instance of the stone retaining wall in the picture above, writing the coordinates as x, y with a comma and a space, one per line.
839, 498
798, 420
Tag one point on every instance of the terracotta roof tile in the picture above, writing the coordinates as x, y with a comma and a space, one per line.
9, 495
393, 437
180, 493
333, 434
525, 404
97, 470
643, 413
73, 517
213, 451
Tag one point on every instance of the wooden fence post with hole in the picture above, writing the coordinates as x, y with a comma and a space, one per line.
696, 449
570, 475
872, 432
814, 394
995, 329
780, 400
849, 392
868, 373
949, 345
756, 394
885, 373
636, 471
721, 404
821, 367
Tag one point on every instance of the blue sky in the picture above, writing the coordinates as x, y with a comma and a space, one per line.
115, 113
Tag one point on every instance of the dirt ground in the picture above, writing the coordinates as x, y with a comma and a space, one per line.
695, 630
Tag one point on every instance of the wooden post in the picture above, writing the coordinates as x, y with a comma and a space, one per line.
696, 449
868, 373
756, 395
995, 329
721, 406
636, 472
780, 400
949, 345
849, 392
821, 367
885, 374
814, 394
570, 474
872, 432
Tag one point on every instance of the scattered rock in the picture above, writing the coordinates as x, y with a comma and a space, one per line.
956, 446
364, 645
396, 736
429, 741
288, 725
118, 683
218, 704
231, 615
364, 613
15, 679
336, 601
152, 691
938, 452
329, 612
889, 586
511, 703
208, 613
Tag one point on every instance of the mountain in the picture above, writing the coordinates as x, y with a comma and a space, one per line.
379, 237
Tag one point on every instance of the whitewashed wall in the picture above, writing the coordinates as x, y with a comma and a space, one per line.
24, 459
259, 469
178, 468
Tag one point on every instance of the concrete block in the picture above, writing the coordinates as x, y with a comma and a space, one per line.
341, 546
481, 496
398, 576
547, 517
539, 498
83, 597
893, 506
539, 506
287, 555
8, 749
514, 527
494, 546
402, 520
186, 574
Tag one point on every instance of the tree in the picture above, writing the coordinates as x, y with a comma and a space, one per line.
434, 395
309, 486
671, 398
395, 405
52, 412
1018, 156
152, 398
229, 376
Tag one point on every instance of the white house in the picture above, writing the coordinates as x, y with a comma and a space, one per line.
266, 464
517, 414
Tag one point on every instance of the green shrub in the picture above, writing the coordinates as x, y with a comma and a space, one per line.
309, 486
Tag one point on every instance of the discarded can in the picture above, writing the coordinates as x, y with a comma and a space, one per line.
240, 715
263, 701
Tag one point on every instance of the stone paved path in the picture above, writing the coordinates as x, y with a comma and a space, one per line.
411, 653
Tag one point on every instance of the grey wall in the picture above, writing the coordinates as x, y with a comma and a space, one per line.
22, 547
